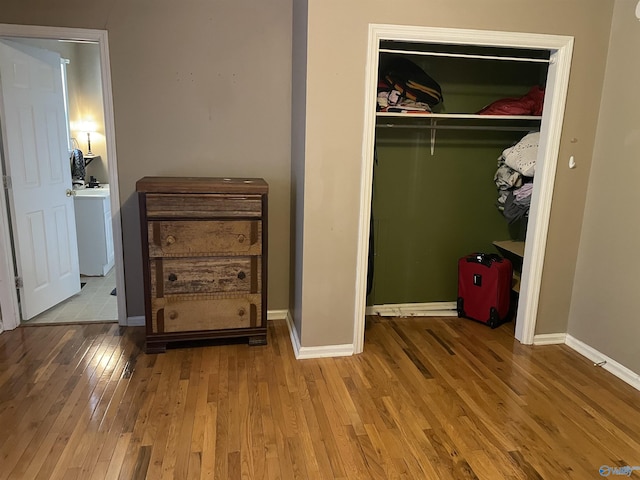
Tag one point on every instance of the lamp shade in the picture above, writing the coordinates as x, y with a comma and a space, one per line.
88, 126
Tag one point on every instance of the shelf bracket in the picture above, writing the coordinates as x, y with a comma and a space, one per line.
433, 135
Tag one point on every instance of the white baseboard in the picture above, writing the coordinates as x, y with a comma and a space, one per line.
135, 321
324, 351
550, 339
433, 309
610, 365
293, 334
277, 314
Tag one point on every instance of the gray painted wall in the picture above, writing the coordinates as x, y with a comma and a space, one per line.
604, 309
199, 89
337, 46
298, 128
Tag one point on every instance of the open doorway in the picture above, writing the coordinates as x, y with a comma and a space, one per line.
96, 226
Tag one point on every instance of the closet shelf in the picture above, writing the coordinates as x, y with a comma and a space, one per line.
457, 116
456, 121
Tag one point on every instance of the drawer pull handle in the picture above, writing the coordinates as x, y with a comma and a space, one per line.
173, 277
171, 240
241, 238
242, 275
241, 312
173, 315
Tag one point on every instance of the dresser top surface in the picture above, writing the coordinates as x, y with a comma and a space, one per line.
201, 185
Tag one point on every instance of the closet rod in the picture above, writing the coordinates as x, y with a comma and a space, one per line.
460, 127
464, 55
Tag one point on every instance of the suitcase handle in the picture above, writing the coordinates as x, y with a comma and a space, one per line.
485, 259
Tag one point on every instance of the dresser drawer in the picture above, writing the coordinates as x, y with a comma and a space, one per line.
204, 275
202, 205
194, 315
204, 238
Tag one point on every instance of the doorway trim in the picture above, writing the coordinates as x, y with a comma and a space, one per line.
8, 294
561, 48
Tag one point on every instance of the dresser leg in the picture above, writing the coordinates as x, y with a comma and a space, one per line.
155, 347
257, 340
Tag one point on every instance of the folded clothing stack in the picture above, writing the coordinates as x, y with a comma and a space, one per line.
514, 177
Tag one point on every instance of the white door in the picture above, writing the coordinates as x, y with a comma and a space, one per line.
37, 162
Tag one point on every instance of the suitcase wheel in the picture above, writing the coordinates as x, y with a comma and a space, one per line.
460, 307
494, 318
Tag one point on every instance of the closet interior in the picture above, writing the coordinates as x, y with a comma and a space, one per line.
435, 191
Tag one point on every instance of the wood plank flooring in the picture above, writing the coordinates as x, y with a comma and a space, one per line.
430, 398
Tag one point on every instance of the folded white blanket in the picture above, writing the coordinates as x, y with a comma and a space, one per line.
522, 156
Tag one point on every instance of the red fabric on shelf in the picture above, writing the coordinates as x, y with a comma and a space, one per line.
529, 104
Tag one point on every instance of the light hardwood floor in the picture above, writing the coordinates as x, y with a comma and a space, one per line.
428, 399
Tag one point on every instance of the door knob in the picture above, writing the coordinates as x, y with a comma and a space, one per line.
70, 193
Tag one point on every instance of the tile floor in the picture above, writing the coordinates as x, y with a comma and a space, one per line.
94, 303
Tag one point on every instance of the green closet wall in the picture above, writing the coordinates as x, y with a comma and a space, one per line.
429, 210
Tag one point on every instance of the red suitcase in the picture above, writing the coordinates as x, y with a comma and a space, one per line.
484, 288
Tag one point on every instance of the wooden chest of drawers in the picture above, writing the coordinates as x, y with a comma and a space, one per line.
204, 246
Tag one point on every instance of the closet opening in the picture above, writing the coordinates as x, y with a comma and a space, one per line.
437, 184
